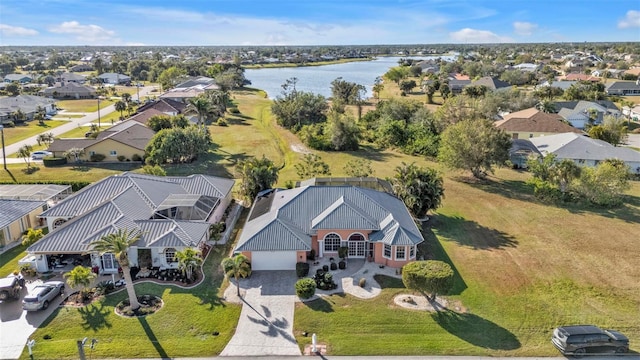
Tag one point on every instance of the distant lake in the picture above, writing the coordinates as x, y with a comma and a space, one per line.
317, 79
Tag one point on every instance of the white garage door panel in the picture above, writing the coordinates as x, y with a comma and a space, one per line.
273, 260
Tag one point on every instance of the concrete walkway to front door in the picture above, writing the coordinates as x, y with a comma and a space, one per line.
266, 321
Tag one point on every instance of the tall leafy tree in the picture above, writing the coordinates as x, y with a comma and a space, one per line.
237, 267
421, 189
474, 145
346, 92
118, 243
256, 175
312, 165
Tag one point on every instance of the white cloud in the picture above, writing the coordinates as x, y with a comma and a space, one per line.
524, 28
477, 36
89, 33
632, 19
8, 30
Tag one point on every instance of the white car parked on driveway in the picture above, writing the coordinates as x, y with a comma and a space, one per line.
40, 296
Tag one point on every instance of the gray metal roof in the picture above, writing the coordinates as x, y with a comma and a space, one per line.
128, 201
296, 214
12, 210
41, 192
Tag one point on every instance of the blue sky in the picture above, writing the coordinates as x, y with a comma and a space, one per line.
314, 22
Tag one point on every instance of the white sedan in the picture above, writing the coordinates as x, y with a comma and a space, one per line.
39, 155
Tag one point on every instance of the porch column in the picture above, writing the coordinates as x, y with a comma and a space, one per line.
320, 248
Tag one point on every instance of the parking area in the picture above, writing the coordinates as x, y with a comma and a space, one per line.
17, 325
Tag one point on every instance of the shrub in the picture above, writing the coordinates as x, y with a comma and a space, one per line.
312, 255
334, 266
362, 283
222, 122
136, 157
343, 251
97, 157
325, 268
302, 269
305, 288
10, 124
234, 110
53, 161
121, 158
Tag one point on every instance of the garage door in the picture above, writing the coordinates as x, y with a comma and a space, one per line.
273, 260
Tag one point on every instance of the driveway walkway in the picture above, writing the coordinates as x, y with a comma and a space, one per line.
16, 325
266, 321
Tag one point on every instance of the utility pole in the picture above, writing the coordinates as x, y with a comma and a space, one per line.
4, 156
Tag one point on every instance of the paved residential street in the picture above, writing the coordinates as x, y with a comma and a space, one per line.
72, 124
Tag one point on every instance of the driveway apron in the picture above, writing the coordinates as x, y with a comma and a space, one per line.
266, 320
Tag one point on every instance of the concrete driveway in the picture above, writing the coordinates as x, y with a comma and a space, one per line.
265, 327
17, 325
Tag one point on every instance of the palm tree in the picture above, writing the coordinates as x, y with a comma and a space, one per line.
121, 106
546, 106
126, 97
80, 276
188, 260
421, 189
237, 266
25, 153
118, 243
218, 100
75, 153
564, 172
200, 106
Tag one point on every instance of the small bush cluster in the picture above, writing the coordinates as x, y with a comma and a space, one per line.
122, 158
302, 269
136, 157
324, 280
305, 288
97, 157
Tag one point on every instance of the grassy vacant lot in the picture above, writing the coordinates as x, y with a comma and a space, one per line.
185, 326
523, 268
82, 105
31, 128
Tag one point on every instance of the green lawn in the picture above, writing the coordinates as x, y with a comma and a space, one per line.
82, 105
9, 260
32, 128
15, 172
185, 326
79, 131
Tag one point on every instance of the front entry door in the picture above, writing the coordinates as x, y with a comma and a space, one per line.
109, 262
356, 249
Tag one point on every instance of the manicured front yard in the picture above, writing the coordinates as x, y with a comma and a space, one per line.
193, 322
14, 134
82, 105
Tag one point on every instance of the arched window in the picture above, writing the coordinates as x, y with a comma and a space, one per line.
356, 237
331, 242
170, 255
58, 223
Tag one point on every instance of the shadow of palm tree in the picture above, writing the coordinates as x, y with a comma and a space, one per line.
470, 233
95, 317
152, 337
476, 330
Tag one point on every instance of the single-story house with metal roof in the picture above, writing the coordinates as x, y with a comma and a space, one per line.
284, 225
21, 205
20, 78
624, 88
171, 213
114, 79
586, 151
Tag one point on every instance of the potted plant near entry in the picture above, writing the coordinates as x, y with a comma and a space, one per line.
343, 251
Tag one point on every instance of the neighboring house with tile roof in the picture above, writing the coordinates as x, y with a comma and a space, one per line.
20, 78
28, 104
70, 90
492, 83
585, 151
579, 112
166, 106
532, 122
624, 88
127, 139
171, 213
21, 206
284, 225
